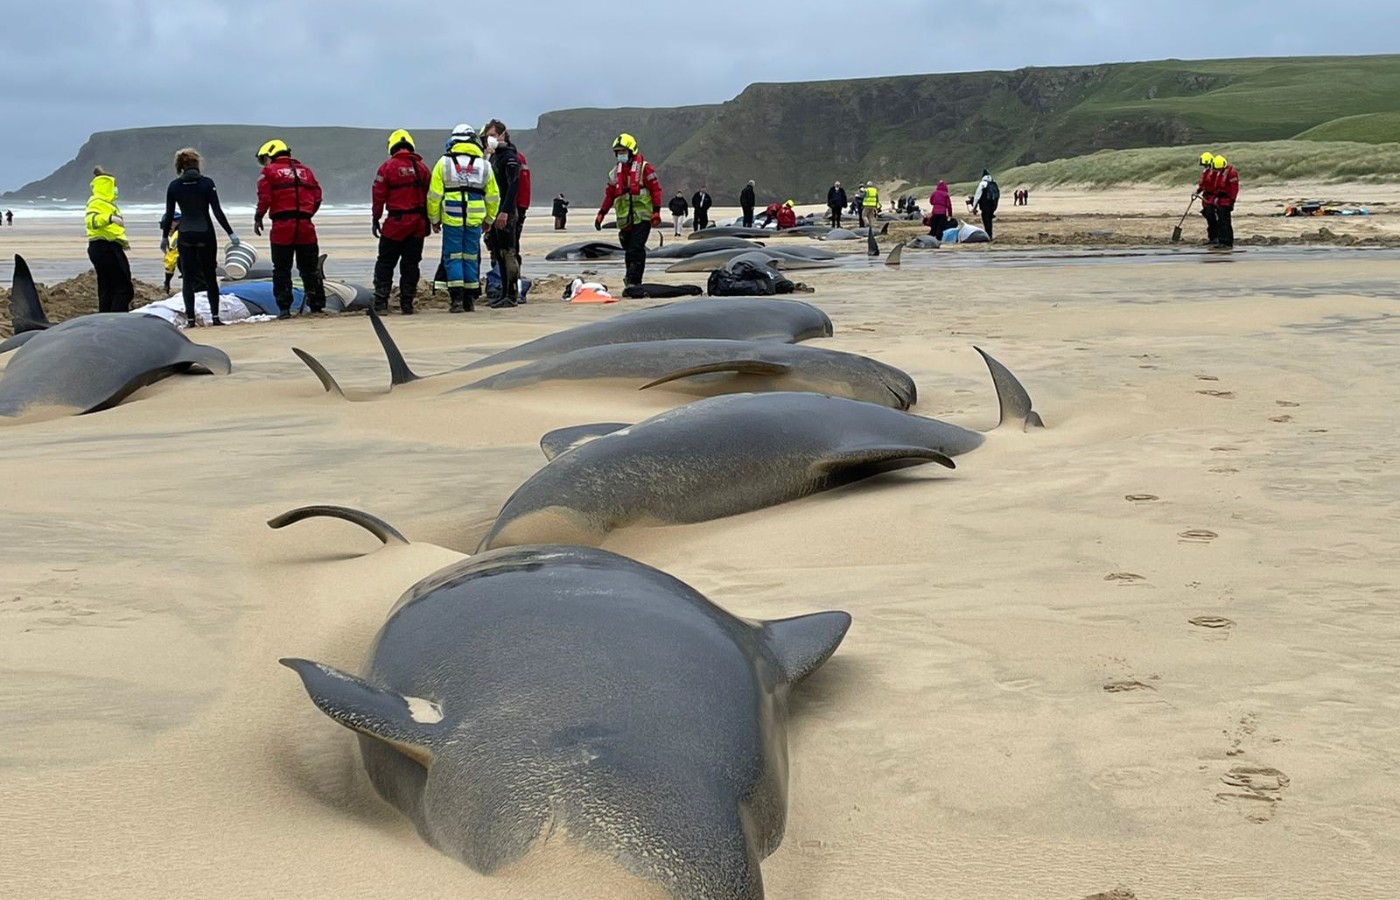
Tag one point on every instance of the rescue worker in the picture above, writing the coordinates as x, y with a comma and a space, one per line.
986, 199
462, 194
634, 193
746, 203
1227, 191
700, 205
836, 202
107, 245
1205, 189
172, 253
400, 192
678, 208
288, 191
502, 236
869, 204
198, 200
787, 216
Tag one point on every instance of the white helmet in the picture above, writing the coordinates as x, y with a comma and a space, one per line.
462, 132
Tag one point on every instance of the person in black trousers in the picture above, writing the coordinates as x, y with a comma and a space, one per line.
746, 203
836, 202
700, 209
107, 245
197, 198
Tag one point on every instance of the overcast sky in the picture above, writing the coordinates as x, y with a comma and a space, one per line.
69, 69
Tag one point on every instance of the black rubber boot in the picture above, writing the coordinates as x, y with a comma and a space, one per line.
406, 304
470, 296
381, 303
455, 304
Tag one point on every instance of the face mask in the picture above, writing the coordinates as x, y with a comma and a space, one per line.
622, 157
492, 142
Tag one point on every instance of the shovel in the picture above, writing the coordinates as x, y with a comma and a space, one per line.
1176, 232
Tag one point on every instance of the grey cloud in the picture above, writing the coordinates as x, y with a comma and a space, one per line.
72, 69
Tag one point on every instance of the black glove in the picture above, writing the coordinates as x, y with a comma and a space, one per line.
257, 226
374, 227
598, 224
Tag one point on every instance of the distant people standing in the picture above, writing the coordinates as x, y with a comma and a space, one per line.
634, 194
1227, 191
869, 204
10, 217
1205, 189
836, 202
940, 204
198, 201
700, 207
462, 195
986, 199
107, 245
399, 194
746, 203
678, 208
289, 193
501, 239
560, 212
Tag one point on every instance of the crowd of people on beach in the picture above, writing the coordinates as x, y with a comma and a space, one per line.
478, 191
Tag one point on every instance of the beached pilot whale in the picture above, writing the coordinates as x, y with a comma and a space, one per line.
568, 693
726, 455
586, 250
713, 367
722, 318
88, 363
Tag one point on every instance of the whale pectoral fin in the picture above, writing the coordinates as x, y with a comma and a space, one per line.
411, 725
26, 312
211, 359
321, 372
736, 366
1015, 402
371, 523
562, 440
399, 372
15, 341
800, 645
856, 463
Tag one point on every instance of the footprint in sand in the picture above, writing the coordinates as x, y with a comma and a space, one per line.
1283, 418
1140, 498
1259, 791
1289, 403
1212, 622
1224, 449
1224, 395
1197, 536
1118, 893
1124, 577
1206, 378
1224, 470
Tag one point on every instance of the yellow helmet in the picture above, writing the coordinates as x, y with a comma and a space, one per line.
1218, 162
272, 148
626, 142
400, 137
789, 203
1207, 158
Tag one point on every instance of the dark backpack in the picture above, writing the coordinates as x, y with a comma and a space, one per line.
991, 195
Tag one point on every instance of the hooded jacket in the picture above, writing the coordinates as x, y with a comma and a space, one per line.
940, 201
103, 217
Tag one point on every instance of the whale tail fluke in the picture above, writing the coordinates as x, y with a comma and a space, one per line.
1015, 402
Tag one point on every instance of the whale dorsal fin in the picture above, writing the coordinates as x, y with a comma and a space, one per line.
894, 258
413, 726
399, 372
1015, 402
562, 440
800, 645
26, 312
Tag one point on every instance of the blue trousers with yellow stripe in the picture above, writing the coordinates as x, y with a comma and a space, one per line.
461, 256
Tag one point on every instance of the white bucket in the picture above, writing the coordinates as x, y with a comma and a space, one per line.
238, 260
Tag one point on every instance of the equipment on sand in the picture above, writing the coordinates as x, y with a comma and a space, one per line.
1176, 232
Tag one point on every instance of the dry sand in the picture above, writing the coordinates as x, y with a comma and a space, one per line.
1150, 649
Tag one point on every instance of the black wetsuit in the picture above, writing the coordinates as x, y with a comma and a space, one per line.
503, 242
197, 198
